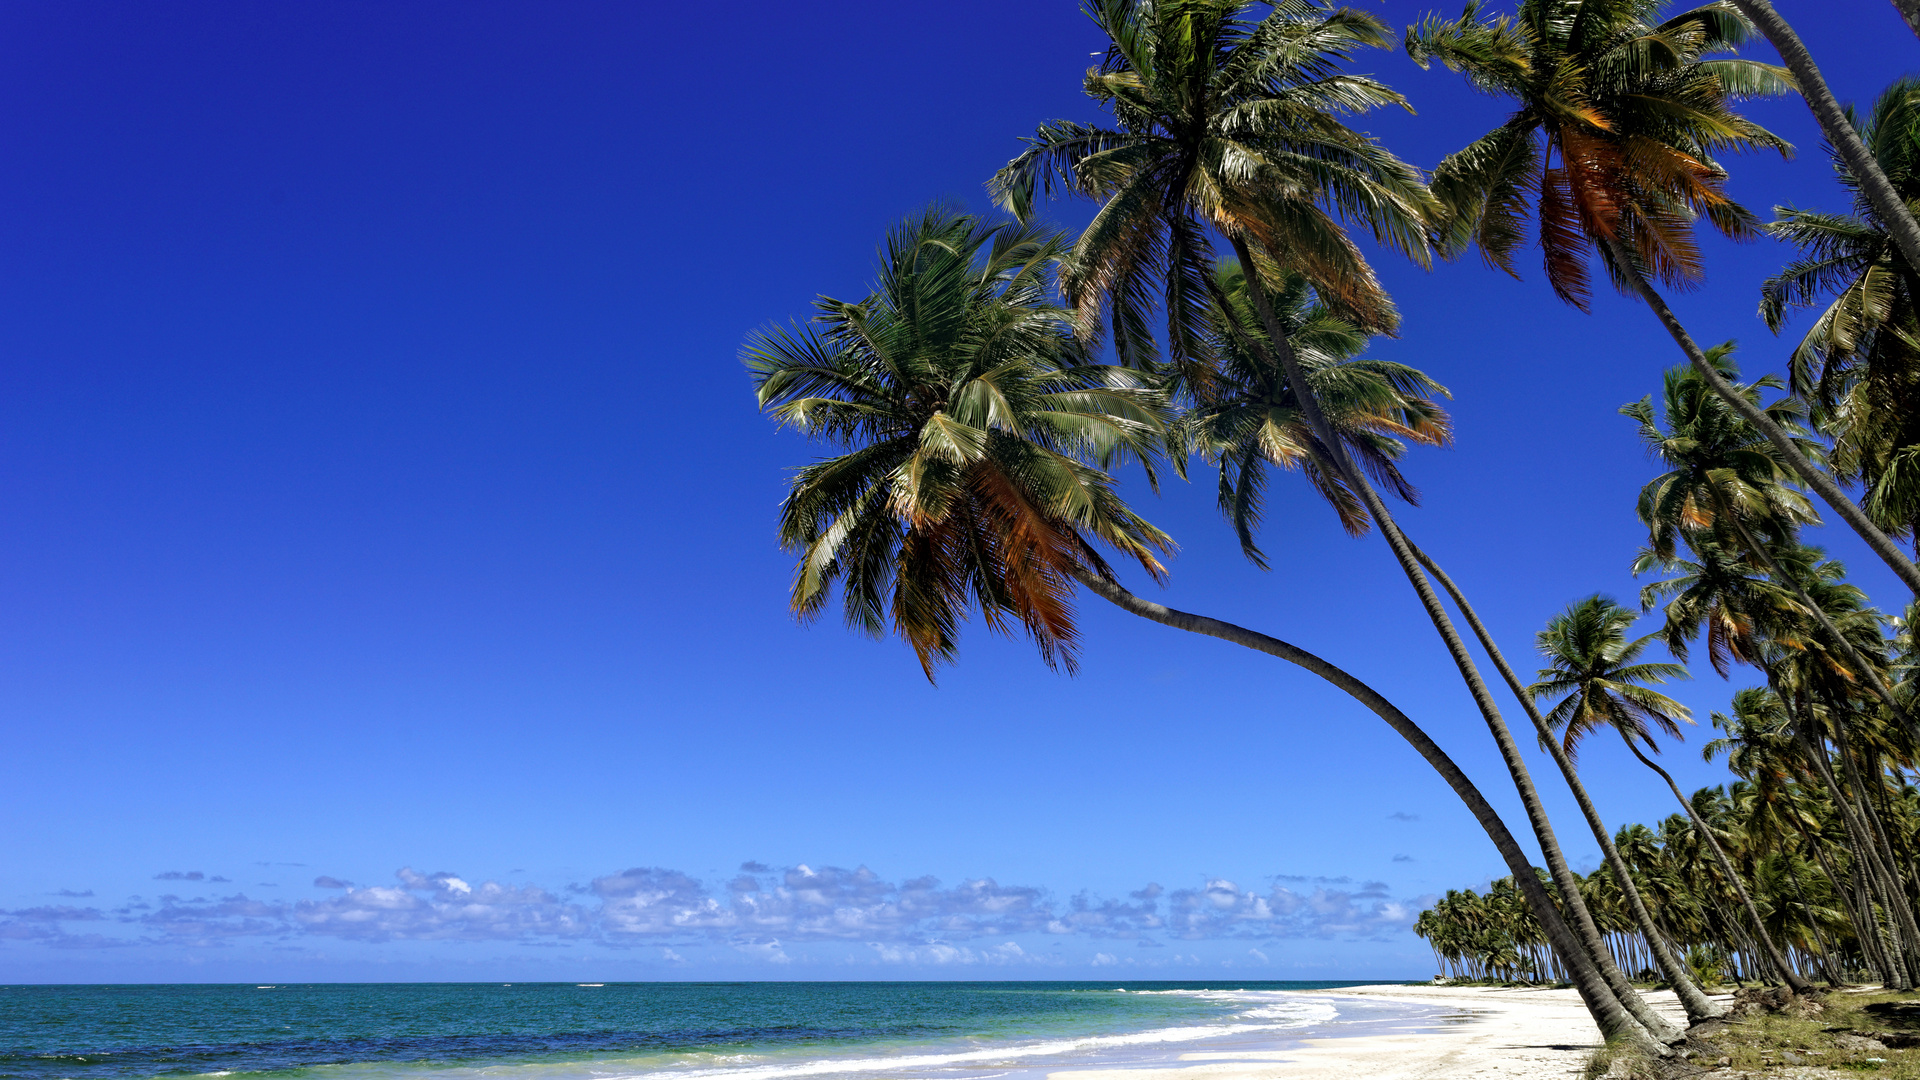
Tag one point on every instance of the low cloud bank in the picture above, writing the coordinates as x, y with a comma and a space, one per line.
756, 913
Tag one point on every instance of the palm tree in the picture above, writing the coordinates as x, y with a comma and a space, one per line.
1692, 998
1591, 668
1613, 145
971, 408
1858, 365
1253, 420
1227, 125
974, 430
1715, 594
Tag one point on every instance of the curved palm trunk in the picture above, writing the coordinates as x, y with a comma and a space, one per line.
1613, 1019
1813, 476
1565, 883
1773, 954
1886, 202
1698, 1006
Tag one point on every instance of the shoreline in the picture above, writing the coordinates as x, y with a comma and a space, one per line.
1512, 1034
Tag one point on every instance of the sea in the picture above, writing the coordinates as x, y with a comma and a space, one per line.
664, 1031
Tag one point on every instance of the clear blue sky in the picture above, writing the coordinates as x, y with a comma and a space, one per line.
381, 496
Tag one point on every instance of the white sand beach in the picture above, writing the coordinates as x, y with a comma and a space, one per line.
1495, 1033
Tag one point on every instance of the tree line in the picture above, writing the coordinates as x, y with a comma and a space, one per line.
1215, 314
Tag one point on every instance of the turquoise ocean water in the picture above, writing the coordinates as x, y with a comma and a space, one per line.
656, 1031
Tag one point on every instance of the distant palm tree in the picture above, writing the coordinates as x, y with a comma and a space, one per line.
1611, 150
1592, 669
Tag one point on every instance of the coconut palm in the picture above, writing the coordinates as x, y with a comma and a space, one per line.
1592, 670
1253, 420
1612, 150
1227, 125
972, 413
1722, 476
1858, 364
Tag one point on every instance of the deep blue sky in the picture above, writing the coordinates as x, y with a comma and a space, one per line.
380, 489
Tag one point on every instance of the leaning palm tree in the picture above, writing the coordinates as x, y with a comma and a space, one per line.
1612, 150
1565, 751
1228, 126
973, 413
1592, 669
1858, 364
974, 431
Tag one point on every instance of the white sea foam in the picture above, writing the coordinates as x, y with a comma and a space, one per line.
1270, 1011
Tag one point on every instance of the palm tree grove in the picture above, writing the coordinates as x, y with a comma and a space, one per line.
1212, 323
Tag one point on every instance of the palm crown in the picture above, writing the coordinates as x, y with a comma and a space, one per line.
973, 422
1590, 660
1223, 122
1618, 121
1723, 477
1254, 420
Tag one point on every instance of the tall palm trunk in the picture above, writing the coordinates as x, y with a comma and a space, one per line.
1859, 911
1900, 907
1566, 884
1873, 862
1896, 968
1698, 1006
1608, 1013
1812, 475
1771, 951
1886, 202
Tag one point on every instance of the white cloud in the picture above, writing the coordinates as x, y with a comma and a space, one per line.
758, 913
767, 951
946, 954
1223, 910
